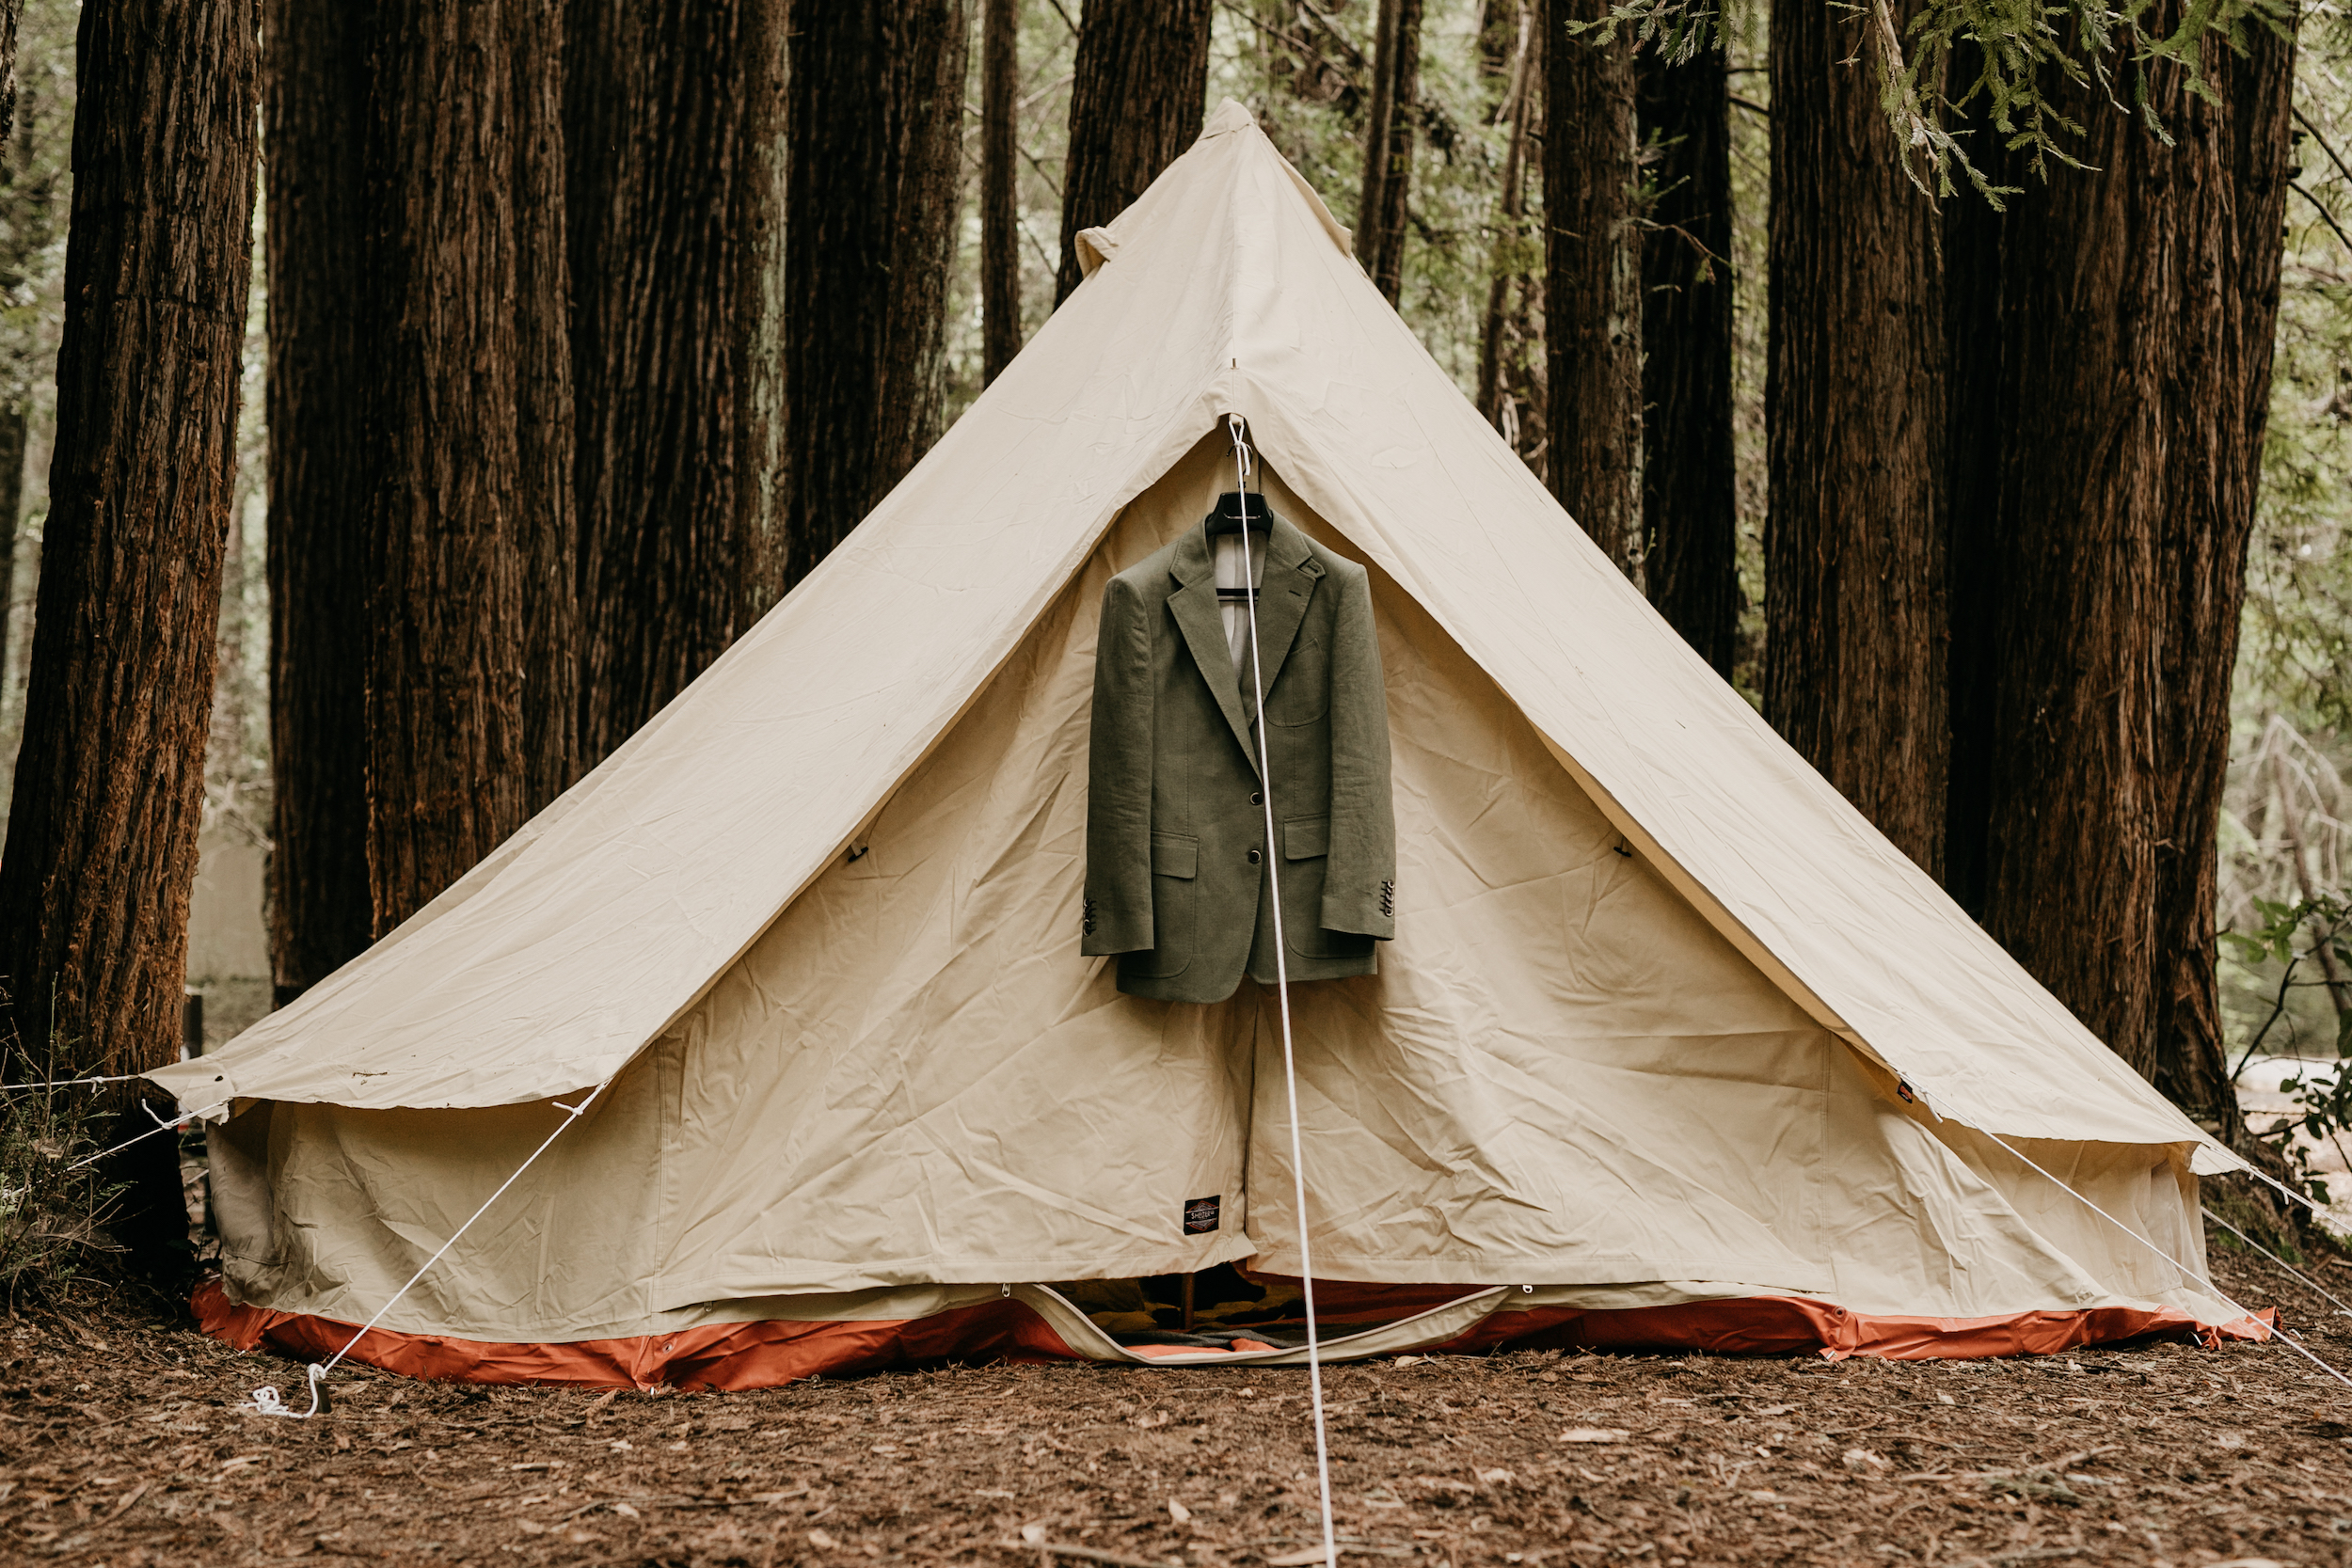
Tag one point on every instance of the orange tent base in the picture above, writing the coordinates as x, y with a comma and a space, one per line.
763, 1354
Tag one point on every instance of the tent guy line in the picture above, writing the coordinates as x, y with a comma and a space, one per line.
161, 1126
266, 1400
1234, 427
2285, 1338
2275, 1257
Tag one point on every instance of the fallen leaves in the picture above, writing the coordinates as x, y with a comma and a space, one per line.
1594, 1435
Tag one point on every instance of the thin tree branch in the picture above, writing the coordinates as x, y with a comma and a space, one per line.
2296, 185
2318, 137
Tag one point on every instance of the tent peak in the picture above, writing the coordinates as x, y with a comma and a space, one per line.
1230, 115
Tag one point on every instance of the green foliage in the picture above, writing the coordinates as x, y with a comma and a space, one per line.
1996, 62
54, 1206
2307, 945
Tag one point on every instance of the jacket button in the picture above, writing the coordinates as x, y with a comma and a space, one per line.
1253, 857
1257, 799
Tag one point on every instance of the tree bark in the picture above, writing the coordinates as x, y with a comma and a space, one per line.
1000, 235
548, 521
1136, 104
1511, 208
1690, 504
1380, 211
11, 11
13, 423
671, 184
471, 684
1593, 294
101, 851
1855, 670
2113, 446
320, 481
876, 107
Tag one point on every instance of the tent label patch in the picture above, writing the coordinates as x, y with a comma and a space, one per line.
1200, 1214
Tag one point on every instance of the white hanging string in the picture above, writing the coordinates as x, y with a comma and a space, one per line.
266, 1400
1234, 427
2283, 1336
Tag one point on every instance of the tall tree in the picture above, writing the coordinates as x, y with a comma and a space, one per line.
1388, 146
674, 203
100, 850
2115, 384
1593, 271
875, 126
472, 684
1136, 104
314, 94
1510, 387
1854, 409
1000, 234
1690, 504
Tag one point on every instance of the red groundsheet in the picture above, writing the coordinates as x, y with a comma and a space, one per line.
762, 1354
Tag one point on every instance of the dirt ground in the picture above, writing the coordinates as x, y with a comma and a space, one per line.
121, 1443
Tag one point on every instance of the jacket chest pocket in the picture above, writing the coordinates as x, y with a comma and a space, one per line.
1175, 865
1302, 688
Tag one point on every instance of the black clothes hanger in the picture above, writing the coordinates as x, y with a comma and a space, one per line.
1227, 517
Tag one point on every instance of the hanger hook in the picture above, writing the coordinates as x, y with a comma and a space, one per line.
1238, 429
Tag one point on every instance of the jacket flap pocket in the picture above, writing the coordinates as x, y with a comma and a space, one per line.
1305, 837
1174, 855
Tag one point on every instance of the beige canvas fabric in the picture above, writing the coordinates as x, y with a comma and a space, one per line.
1654, 986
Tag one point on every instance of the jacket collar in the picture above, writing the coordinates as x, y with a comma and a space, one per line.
1285, 586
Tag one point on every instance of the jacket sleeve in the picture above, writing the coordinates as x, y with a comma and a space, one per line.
1360, 879
1116, 915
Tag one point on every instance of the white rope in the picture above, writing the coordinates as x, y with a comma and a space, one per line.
161, 1126
266, 1400
2260, 1174
2283, 1338
71, 1082
1283, 993
2276, 1258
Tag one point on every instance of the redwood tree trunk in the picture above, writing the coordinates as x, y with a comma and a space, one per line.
320, 481
2122, 392
546, 526
471, 693
1495, 378
100, 850
876, 107
1136, 104
1855, 406
670, 188
1388, 146
1690, 509
1000, 235
1593, 268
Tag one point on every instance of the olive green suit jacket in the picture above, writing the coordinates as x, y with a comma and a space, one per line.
1177, 883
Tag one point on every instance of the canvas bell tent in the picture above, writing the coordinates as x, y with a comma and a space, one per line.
1672, 1047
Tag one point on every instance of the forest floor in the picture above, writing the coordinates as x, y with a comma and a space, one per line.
121, 1443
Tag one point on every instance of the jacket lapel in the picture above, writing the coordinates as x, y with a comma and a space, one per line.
1194, 605
1288, 583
